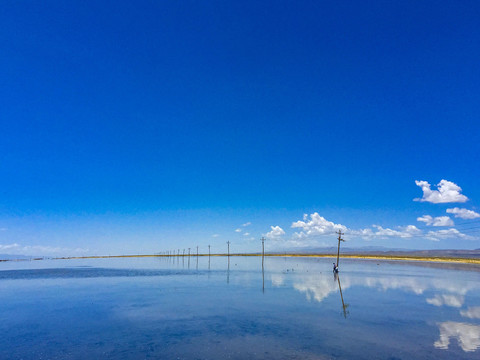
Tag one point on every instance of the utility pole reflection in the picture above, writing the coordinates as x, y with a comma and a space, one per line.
344, 306
228, 270
263, 269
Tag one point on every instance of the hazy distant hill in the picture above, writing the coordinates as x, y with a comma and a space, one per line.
14, 257
378, 250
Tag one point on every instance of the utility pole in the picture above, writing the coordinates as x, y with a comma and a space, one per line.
208, 250
228, 244
197, 251
263, 246
339, 239
188, 252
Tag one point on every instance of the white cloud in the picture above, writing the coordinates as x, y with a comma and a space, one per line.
381, 232
471, 312
17, 249
317, 225
276, 232
215, 235
238, 230
246, 234
447, 299
436, 221
427, 219
463, 213
247, 224
6, 248
467, 335
448, 192
446, 234
408, 231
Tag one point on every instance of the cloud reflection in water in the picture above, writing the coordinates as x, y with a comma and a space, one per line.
467, 335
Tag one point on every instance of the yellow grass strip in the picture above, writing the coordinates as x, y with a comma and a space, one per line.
348, 256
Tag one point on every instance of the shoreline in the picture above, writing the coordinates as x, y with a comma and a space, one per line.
437, 259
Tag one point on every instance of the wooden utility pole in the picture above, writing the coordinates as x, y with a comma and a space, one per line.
188, 252
208, 250
263, 246
339, 239
228, 244
197, 250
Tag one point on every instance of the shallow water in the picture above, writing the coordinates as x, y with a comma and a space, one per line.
220, 308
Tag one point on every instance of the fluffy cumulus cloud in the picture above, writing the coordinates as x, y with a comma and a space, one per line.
448, 192
275, 233
316, 225
436, 221
463, 213
238, 230
247, 224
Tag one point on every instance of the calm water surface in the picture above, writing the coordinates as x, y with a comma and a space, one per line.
189, 308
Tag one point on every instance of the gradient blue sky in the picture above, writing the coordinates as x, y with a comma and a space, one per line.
159, 125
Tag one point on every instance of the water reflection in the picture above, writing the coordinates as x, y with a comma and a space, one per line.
344, 306
448, 292
467, 335
153, 301
263, 276
446, 300
316, 287
228, 270
439, 291
471, 312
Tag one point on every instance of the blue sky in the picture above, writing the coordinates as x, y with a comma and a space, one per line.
151, 126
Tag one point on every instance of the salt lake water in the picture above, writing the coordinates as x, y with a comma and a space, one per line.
231, 308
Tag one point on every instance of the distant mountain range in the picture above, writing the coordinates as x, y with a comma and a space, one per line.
366, 250
14, 257
378, 250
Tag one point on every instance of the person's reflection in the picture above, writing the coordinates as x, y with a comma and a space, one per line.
336, 277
